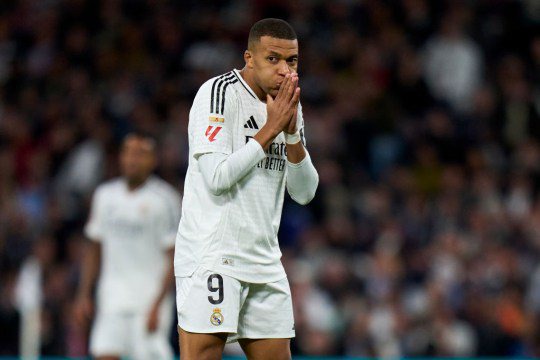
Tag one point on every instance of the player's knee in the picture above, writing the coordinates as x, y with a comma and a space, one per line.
202, 353
266, 349
285, 355
201, 346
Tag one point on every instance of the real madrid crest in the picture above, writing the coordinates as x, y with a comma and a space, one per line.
217, 317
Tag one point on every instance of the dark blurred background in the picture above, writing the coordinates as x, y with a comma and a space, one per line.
422, 118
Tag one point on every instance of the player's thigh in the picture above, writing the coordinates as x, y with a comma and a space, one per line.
267, 312
108, 336
266, 349
197, 346
208, 306
208, 303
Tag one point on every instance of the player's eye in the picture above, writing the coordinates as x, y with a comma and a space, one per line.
272, 59
293, 60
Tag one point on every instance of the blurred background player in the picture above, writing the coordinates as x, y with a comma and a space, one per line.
132, 228
245, 149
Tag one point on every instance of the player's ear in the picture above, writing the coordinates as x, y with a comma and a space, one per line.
248, 58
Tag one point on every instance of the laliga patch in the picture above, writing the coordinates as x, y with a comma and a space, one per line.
216, 318
216, 119
211, 132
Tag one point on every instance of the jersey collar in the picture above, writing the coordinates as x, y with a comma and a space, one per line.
145, 184
244, 84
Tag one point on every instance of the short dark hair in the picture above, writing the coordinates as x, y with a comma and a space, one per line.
276, 28
142, 135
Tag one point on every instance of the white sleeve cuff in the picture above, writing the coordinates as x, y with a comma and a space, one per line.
302, 180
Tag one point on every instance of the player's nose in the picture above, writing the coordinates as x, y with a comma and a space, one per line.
284, 68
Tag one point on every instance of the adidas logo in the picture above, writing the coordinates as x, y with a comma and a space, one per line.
251, 124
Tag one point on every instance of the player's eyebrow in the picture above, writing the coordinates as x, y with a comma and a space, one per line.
274, 53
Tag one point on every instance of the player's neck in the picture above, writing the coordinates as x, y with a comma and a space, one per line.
134, 184
247, 75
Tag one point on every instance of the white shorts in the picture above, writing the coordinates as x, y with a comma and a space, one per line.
125, 334
212, 303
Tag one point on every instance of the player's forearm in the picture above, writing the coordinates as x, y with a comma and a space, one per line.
168, 278
295, 152
90, 270
302, 180
220, 172
266, 135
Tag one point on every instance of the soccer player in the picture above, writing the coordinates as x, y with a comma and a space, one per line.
132, 227
246, 146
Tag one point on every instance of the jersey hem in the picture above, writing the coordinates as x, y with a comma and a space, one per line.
235, 275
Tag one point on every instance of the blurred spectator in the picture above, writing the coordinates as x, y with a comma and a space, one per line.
453, 61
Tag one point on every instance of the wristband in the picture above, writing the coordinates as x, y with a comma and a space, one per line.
292, 139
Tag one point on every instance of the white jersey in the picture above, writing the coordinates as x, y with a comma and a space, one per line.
135, 229
234, 233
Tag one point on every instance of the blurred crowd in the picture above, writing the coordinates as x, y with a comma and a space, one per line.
422, 118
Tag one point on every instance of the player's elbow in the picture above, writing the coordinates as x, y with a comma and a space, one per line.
302, 200
215, 184
305, 197
216, 189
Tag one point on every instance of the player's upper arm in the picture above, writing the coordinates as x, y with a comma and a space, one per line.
212, 117
95, 227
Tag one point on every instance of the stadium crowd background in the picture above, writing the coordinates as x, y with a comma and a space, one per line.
423, 120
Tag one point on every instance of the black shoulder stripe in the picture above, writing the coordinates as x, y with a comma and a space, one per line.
220, 83
223, 94
213, 88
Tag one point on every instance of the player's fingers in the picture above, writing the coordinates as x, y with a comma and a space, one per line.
295, 79
269, 99
295, 98
292, 85
290, 88
283, 87
292, 123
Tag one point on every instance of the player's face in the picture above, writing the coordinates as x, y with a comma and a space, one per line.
137, 158
271, 59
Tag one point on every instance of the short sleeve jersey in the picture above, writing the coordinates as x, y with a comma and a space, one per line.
135, 229
234, 233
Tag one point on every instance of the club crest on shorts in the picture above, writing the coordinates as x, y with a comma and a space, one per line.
216, 318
